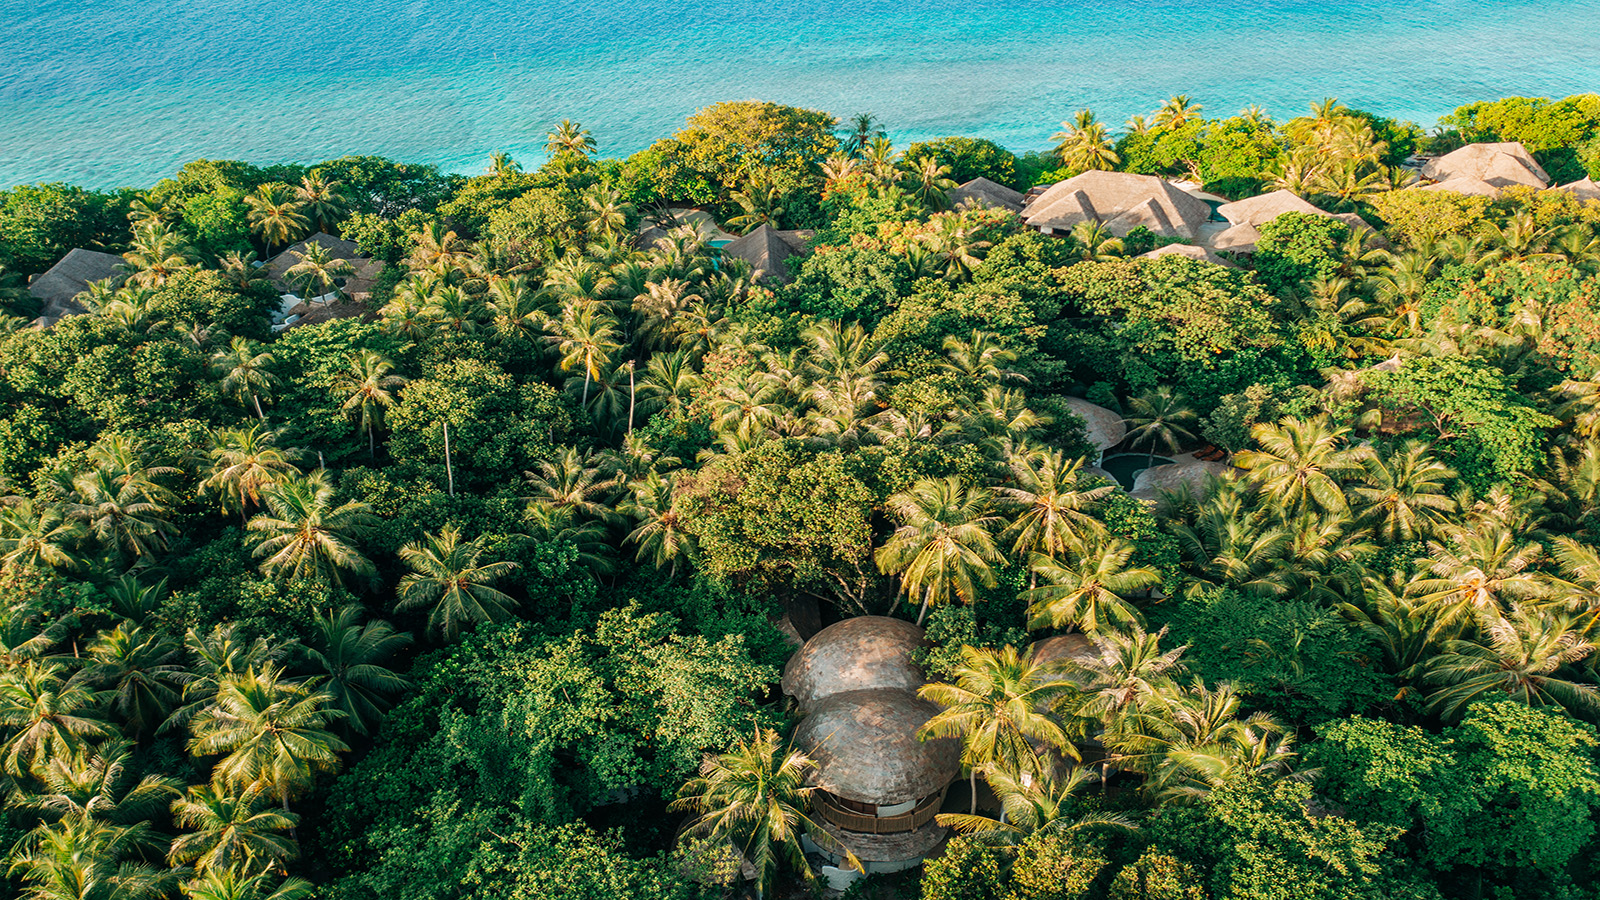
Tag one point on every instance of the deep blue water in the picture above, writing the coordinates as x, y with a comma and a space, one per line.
121, 92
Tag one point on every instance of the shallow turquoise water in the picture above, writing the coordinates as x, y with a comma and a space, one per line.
114, 92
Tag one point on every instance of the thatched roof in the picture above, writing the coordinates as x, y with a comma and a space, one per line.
1258, 211
866, 748
327, 312
359, 284
277, 268
1060, 650
69, 277
1586, 189
654, 227
981, 191
1463, 184
768, 250
1189, 250
1501, 165
1106, 428
1186, 470
1239, 238
1120, 201
863, 653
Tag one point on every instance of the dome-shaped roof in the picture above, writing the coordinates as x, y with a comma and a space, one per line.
1060, 652
858, 654
866, 748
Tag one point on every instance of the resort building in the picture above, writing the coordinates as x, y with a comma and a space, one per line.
1245, 217
357, 286
1189, 250
1484, 169
1586, 190
768, 251
981, 192
878, 786
655, 226
1121, 202
57, 289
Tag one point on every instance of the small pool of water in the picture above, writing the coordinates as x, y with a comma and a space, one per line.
1125, 467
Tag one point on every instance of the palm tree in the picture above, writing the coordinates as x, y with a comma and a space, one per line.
1160, 418
439, 251
90, 787
277, 214
305, 536
322, 201
1177, 112
48, 715
931, 183
586, 337
122, 514
660, 535
351, 655
944, 548
576, 481
156, 254
232, 884
1036, 803
996, 706
1087, 593
231, 831
761, 202
1093, 242
367, 389
140, 673
1478, 569
1300, 463
501, 165
244, 462
272, 734
316, 271
860, 132
1403, 497
219, 655
1051, 505
1194, 742
1083, 144
605, 211
35, 534
755, 797
1522, 655
1127, 670
569, 138
86, 860
448, 575
246, 371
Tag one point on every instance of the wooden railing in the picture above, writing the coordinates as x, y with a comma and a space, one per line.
831, 811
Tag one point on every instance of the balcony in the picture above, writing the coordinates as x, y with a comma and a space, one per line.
831, 811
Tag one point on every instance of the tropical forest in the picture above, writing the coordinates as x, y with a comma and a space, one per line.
372, 532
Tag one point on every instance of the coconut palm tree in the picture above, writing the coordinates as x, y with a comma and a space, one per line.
1300, 463
569, 138
246, 371
660, 535
501, 165
123, 514
1093, 242
955, 244
761, 203
277, 214
47, 714
87, 861
157, 253
1046, 802
231, 831
1083, 144
981, 357
219, 655
448, 575
1526, 655
1478, 571
756, 798
366, 389
1194, 741
140, 673
997, 707
1052, 506
1161, 418
586, 336
861, 130
316, 271
351, 656
1177, 112
323, 200
232, 884
944, 549
305, 536
271, 732
244, 462
34, 534
581, 482
1087, 591
605, 212
97, 787
1128, 669
1402, 497
931, 183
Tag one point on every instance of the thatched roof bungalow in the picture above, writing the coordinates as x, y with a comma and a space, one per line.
57, 289
1485, 169
277, 268
768, 250
655, 226
863, 653
1189, 250
1105, 428
1586, 189
981, 192
1121, 202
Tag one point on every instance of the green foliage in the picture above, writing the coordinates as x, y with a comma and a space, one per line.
1296, 248
1421, 218
535, 862
1156, 876
967, 870
218, 222
969, 158
849, 284
384, 238
39, 223
726, 145
1055, 867
387, 188
1298, 661
1161, 151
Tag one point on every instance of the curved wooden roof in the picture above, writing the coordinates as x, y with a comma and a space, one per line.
866, 748
863, 653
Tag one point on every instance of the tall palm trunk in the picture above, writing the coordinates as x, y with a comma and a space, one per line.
257, 401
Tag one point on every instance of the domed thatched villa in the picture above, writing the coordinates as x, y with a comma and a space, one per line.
878, 787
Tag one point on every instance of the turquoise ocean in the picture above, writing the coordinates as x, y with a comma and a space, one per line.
108, 93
